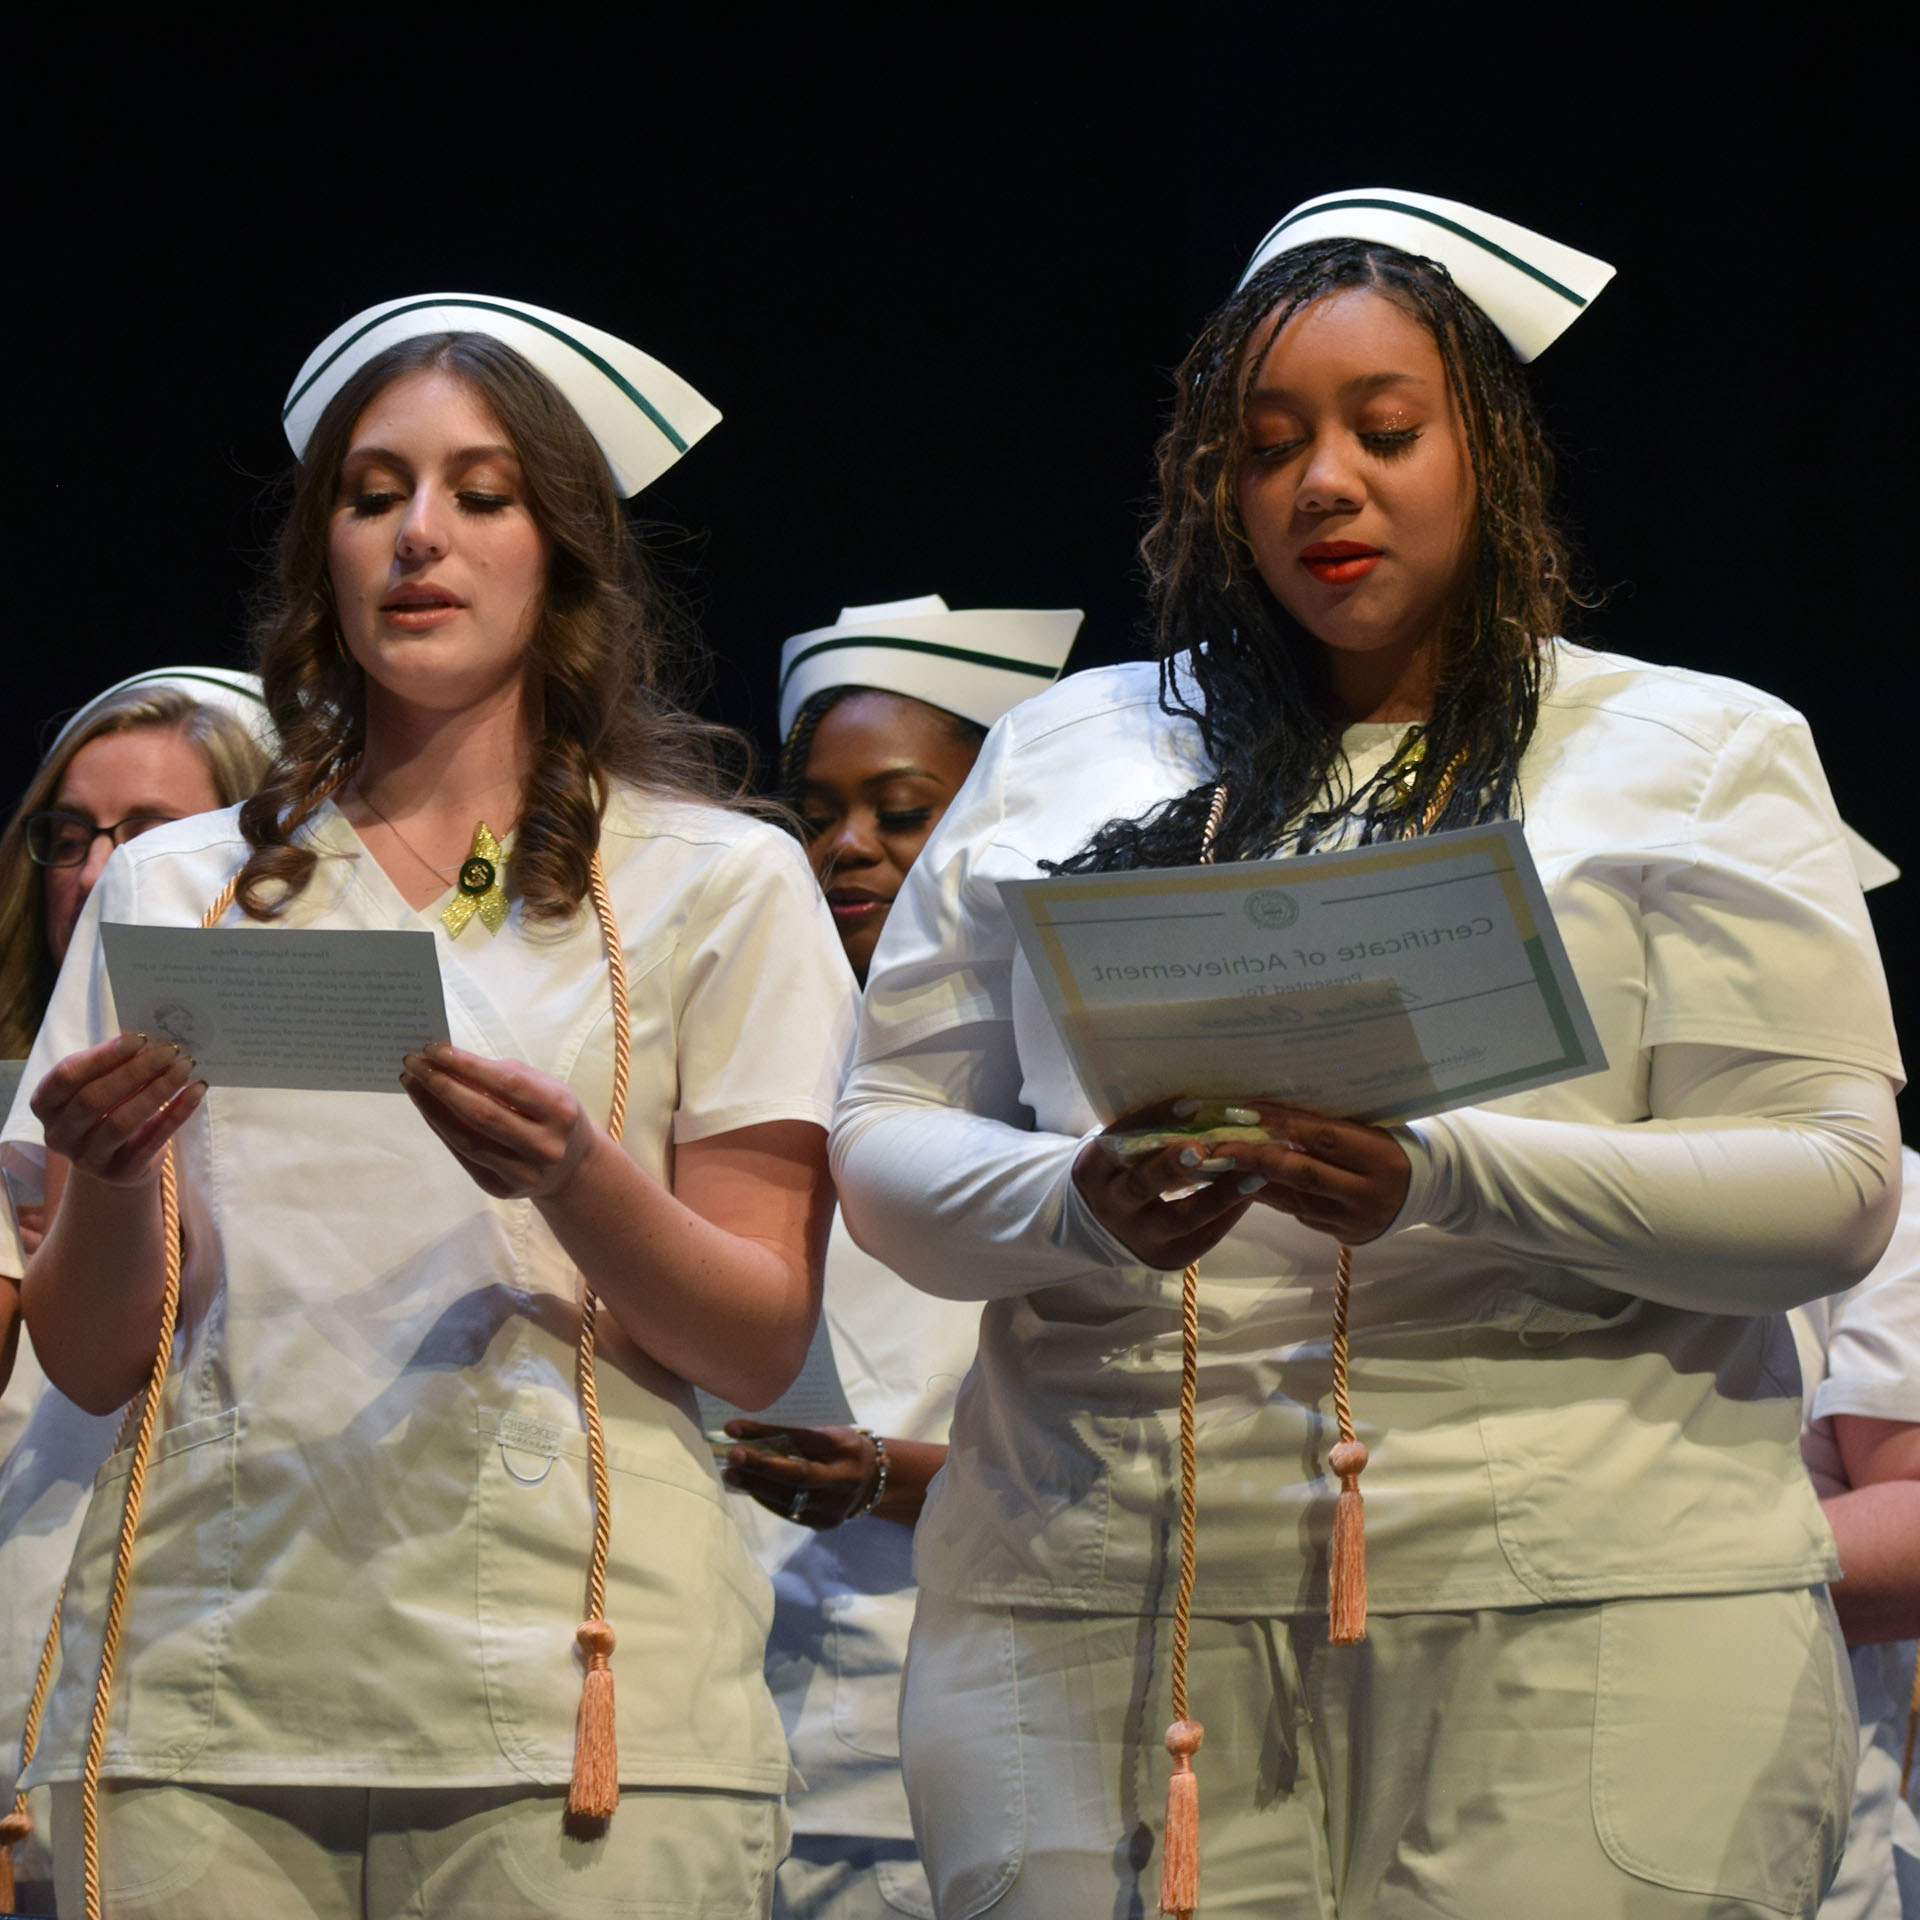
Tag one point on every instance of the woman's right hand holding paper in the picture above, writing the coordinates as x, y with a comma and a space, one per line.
112, 1108
1156, 1185
1170, 1181
92, 1292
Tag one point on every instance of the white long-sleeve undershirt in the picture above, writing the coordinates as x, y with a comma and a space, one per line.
1757, 1181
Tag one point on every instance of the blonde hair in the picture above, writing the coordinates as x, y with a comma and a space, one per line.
233, 759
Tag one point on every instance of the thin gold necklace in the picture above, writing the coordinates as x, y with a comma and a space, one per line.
439, 873
478, 893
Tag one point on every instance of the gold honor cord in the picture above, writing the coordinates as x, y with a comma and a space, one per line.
594, 1790
1180, 1838
1347, 1572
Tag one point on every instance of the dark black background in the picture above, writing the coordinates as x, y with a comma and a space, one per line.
933, 264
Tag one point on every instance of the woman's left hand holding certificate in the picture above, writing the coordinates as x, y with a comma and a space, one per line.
1170, 1193
519, 1133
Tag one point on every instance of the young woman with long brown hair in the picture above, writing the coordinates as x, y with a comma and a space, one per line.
428, 1402
1598, 1672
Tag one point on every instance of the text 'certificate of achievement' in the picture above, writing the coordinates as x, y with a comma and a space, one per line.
1380, 983
329, 1012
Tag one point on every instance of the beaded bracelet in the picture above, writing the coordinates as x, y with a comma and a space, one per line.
872, 1500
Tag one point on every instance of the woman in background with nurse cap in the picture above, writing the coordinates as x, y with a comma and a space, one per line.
909, 681
883, 714
152, 748
155, 747
431, 1389
1596, 1672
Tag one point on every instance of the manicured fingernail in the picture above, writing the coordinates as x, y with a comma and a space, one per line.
1252, 1183
1222, 1164
1242, 1117
1185, 1109
1191, 1157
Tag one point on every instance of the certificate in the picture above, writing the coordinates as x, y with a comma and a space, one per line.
330, 1012
1375, 984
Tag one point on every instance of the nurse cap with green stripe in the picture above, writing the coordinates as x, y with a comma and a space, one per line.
1532, 289
976, 662
234, 692
643, 415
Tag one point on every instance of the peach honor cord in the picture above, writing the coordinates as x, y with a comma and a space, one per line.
595, 1788
1347, 1575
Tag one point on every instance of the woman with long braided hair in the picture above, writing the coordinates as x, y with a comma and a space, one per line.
413, 1465
1589, 1667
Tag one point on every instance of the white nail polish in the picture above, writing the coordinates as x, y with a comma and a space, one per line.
1242, 1117
1251, 1184
1185, 1109
1191, 1157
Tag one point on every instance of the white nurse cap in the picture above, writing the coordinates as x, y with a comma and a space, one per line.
1532, 289
976, 663
643, 415
1871, 867
238, 693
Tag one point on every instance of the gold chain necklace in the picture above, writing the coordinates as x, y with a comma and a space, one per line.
477, 891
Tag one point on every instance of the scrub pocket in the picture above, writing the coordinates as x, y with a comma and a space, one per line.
866, 1674
1723, 1745
177, 1606
689, 1607
903, 1886
961, 1752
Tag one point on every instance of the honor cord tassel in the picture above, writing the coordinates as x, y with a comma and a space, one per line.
1180, 1837
149, 1405
1347, 1575
594, 1790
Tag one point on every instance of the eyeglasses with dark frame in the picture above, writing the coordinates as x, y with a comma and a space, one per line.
57, 839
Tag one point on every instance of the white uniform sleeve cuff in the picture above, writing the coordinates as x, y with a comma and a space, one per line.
1422, 1200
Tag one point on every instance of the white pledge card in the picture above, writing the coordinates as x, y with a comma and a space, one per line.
329, 1012
1380, 983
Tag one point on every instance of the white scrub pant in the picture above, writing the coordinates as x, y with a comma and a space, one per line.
200, 1853
848, 1877
1631, 1760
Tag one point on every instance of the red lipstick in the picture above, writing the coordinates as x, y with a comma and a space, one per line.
855, 907
1338, 563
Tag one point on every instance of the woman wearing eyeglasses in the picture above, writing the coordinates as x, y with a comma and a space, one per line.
167, 743
163, 745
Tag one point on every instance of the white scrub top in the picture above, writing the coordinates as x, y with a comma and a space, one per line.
1860, 1354
843, 1598
364, 1548
54, 1449
1551, 1417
